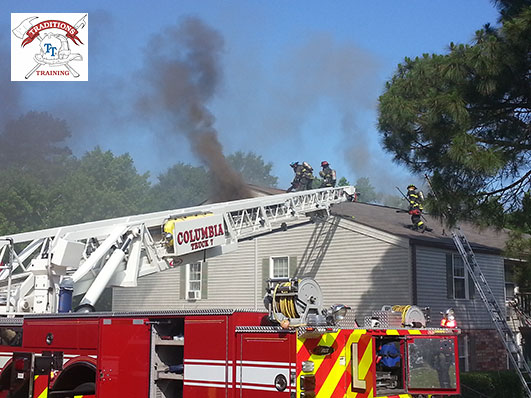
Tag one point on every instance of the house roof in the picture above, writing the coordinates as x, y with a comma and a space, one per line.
255, 191
263, 191
396, 221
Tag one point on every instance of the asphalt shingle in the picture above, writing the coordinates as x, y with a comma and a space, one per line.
396, 221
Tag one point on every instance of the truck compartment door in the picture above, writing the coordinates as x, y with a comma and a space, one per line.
124, 358
265, 365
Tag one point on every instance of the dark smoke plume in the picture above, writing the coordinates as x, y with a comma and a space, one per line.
182, 73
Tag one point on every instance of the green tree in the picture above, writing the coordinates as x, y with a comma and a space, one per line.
253, 168
395, 201
100, 186
23, 203
343, 182
182, 185
35, 142
464, 118
366, 191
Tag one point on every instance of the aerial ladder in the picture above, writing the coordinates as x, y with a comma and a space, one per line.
495, 311
45, 268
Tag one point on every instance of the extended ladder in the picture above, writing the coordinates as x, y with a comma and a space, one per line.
115, 252
495, 311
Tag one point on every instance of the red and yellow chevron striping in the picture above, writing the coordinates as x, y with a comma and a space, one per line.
40, 386
344, 362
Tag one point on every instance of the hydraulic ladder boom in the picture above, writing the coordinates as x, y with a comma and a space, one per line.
91, 256
495, 311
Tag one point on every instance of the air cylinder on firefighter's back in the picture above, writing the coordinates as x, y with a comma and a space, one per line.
66, 290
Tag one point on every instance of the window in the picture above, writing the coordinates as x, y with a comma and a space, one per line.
193, 281
509, 280
462, 341
460, 276
279, 267
459, 284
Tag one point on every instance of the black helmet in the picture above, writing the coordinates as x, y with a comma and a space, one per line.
324, 163
411, 186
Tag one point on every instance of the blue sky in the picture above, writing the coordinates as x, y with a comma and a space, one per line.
300, 79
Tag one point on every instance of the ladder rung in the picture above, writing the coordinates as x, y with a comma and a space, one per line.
505, 332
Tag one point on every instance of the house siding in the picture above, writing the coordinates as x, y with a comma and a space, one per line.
359, 267
431, 287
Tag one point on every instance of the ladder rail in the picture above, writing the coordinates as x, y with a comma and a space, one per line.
495, 311
243, 218
301, 201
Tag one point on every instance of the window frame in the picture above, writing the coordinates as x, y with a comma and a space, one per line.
464, 352
272, 266
509, 279
188, 281
465, 278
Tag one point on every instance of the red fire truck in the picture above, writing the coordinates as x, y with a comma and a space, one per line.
298, 348
229, 353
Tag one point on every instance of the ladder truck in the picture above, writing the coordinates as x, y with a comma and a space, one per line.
295, 349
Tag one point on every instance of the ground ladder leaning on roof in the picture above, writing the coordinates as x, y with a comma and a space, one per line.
497, 316
513, 349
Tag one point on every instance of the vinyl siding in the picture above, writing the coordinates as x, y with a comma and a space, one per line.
432, 292
354, 265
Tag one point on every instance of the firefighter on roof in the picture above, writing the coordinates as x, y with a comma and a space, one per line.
306, 176
415, 199
303, 178
295, 184
328, 175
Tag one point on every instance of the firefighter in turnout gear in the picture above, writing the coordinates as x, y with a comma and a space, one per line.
328, 175
296, 183
415, 199
306, 180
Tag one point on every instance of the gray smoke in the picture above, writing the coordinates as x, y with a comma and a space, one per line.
360, 155
10, 91
338, 79
346, 75
188, 75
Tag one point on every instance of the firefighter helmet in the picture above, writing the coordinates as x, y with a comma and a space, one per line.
293, 164
411, 186
324, 163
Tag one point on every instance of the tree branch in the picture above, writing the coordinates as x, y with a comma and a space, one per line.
506, 144
504, 189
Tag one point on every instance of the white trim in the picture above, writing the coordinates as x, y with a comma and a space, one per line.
286, 364
197, 292
261, 376
261, 388
208, 361
4, 358
465, 278
70, 356
272, 266
212, 373
199, 384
